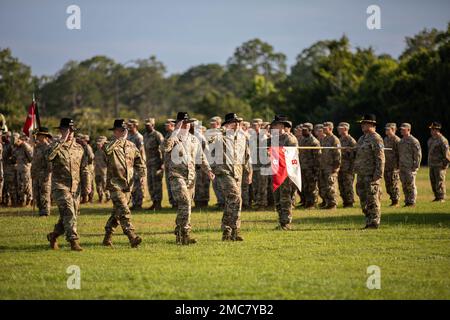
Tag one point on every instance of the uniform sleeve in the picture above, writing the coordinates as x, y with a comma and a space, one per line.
445, 153
90, 155
160, 141
336, 155
378, 150
28, 152
248, 158
417, 155
84, 167
139, 164
53, 151
169, 143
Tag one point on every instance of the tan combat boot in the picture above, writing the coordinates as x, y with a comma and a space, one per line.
187, 240
75, 245
135, 240
226, 236
51, 237
236, 236
107, 240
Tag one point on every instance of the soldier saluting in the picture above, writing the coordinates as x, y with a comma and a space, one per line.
125, 163
66, 157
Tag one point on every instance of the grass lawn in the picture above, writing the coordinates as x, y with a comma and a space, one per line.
325, 257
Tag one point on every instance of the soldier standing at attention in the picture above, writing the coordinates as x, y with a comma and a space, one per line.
68, 164
369, 166
125, 165
41, 172
1, 166
391, 172
202, 182
137, 193
232, 158
155, 165
346, 175
9, 195
245, 187
283, 194
184, 150
258, 140
169, 127
438, 160
101, 170
86, 177
214, 128
22, 153
410, 155
330, 161
310, 163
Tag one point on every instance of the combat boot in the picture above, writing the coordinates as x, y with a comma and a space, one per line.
75, 245
134, 239
107, 240
394, 203
100, 199
236, 235
284, 227
226, 236
187, 240
51, 237
322, 205
157, 205
330, 207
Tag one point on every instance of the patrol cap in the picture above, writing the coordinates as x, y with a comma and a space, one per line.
216, 119
150, 121
328, 124
257, 121
308, 126
101, 139
86, 137
318, 126
170, 121
405, 125
345, 125
133, 121
15, 135
246, 123
435, 125
391, 125
79, 136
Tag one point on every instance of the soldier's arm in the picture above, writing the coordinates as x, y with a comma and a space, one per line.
445, 153
28, 152
417, 155
54, 150
336, 154
139, 164
109, 148
378, 150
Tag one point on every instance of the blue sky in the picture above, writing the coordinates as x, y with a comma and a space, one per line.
186, 33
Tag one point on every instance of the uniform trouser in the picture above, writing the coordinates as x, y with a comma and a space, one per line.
137, 194
283, 202
69, 206
270, 194
245, 190
41, 193
121, 212
183, 193
408, 179
10, 186
327, 185
86, 182
259, 187
392, 182
231, 187
346, 180
100, 182
369, 196
218, 192
202, 184
169, 188
24, 187
437, 179
154, 182
309, 186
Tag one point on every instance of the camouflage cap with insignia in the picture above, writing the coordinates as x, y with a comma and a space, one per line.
405, 125
345, 125
101, 139
391, 125
308, 125
216, 119
170, 121
318, 126
328, 124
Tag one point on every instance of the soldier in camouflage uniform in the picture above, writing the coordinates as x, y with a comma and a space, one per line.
309, 163
125, 165
22, 154
346, 176
184, 151
100, 170
88, 176
318, 133
138, 192
155, 165
245, 187
283, 194
1, 166
438, 160
391, 171
9, 195
369, 166
410, 155
202, 182
169, 127
330, 162
41, 172
232, 157
214, 128
68, 164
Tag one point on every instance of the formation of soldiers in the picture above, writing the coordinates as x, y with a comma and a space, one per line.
232, 155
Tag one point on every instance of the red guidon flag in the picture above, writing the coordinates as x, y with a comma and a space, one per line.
30, 122
285, 163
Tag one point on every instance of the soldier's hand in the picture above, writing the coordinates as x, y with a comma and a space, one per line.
65, 136
211, 175
178, 125
249, 179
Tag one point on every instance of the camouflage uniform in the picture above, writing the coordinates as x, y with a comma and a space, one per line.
202, 182
23, 156
166, 158
309, 163
438, 161
100, 169
41, 176
183, 151
410, 155
152, 144
391, 172
10, 195
1, 169
215, 183
346, 175
259, 166
137, 193
369, 166
233, 147
68, 164
124, 166
88, 175
330, 161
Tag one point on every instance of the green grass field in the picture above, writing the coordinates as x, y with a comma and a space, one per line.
325, 257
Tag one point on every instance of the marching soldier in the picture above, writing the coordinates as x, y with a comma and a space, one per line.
214, 125
137, 194
391, 171
410, 155
438, 160
259, 141
68, 164
41, 172
232, 158
101, 170
346, 175
369, 166
330, 161
169, 128
22, 154
155, 165
310, 162
283, 194
183, 149
125, 165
